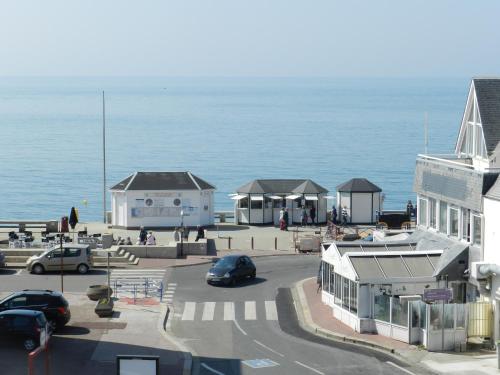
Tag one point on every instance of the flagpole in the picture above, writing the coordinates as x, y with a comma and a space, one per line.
103, 158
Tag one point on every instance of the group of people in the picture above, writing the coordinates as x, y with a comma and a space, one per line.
283, 218
146, 238
305, 215
344, 215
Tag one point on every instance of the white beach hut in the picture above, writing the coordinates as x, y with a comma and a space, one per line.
362, 200
156, 200
260, 201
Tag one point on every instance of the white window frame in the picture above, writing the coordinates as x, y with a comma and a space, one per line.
447, 213
458, 219
473, 229
419, 211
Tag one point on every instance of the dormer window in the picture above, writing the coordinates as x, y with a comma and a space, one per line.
472, 139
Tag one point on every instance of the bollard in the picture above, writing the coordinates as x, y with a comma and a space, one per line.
252, 242
229, 243
145, 288
135, 291
275, 243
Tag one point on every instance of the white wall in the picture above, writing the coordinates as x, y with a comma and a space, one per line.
361, 210
126, 202
491, 238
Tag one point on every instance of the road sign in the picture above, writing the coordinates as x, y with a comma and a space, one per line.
441, 294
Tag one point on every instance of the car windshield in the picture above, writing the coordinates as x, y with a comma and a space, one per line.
226, 262
6, 298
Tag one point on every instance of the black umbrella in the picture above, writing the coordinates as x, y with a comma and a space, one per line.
73, 218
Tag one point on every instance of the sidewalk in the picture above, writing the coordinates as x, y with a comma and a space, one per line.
317, 318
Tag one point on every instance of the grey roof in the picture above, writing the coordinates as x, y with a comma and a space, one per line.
297, 186
359, 185
494, 192
389, 266
488, 100
367, 247
162, 181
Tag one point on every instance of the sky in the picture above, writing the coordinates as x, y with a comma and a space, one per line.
347, 38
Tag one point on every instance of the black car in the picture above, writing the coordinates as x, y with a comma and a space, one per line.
230, 269
30, 327
52, 304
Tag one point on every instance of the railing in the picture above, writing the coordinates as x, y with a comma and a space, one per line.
144, 286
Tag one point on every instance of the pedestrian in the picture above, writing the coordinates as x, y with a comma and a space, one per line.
185, 233
281, 220
128, 242
150, 239
142, 236
334, 215
200, 234
177, 234
409, 210
303, 216
344, 215
312, 214
285, 219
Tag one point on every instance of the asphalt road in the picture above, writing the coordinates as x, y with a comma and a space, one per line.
234, 331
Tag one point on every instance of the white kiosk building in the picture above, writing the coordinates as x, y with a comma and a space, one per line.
156, 200
362, 200
260, 201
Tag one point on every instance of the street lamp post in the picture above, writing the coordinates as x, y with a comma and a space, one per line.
182, 233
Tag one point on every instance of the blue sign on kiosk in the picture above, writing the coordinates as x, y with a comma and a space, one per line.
441, 294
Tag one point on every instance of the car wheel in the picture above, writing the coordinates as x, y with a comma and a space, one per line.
82, 269
252, 276
53, 325
233, 281
38, 269
29, 344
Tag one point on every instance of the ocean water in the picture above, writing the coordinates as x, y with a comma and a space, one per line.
225, 130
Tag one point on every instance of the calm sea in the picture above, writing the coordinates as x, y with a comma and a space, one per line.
226, 130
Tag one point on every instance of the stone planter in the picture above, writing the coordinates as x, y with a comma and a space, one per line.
96, 292
104, 307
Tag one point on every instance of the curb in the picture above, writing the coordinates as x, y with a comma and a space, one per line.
306, 322
166, 311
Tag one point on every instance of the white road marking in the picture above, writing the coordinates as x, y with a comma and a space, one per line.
268, 348
228, 310
18, 272
271, 312
309, 368
250, 310
399, 367
172, 284
211, 369
169, 292
238, 326
189, 310
208, 311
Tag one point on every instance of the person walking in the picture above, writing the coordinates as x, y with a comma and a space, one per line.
312, 214
334, 215
303, 216
281, 221
185, 233
177, 234
344, 215
200, 233
285, 219
143, 234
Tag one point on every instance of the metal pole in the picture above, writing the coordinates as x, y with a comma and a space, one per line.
109, 278
62, 261
103, 158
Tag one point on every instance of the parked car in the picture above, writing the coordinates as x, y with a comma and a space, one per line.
77, 257
2, 260
230, 269
29, 327
52, 304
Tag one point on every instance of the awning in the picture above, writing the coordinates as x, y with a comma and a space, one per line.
232, 194
328, 197
293, 196
238, 197
311, 197
275, 197
257, 198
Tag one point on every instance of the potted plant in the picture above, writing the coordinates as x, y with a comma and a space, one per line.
96, 292
104, 307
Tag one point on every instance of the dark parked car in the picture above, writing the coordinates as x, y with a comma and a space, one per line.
230, 269
27, 326
2, 260
52, 304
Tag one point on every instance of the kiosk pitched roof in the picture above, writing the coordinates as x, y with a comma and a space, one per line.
163, 181
266, 186
359, 185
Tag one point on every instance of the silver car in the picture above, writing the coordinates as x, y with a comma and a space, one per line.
77, 257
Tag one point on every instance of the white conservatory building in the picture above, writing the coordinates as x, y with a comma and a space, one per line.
157, 200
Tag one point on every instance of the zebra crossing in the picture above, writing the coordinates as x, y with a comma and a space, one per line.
228, 311
139, 282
